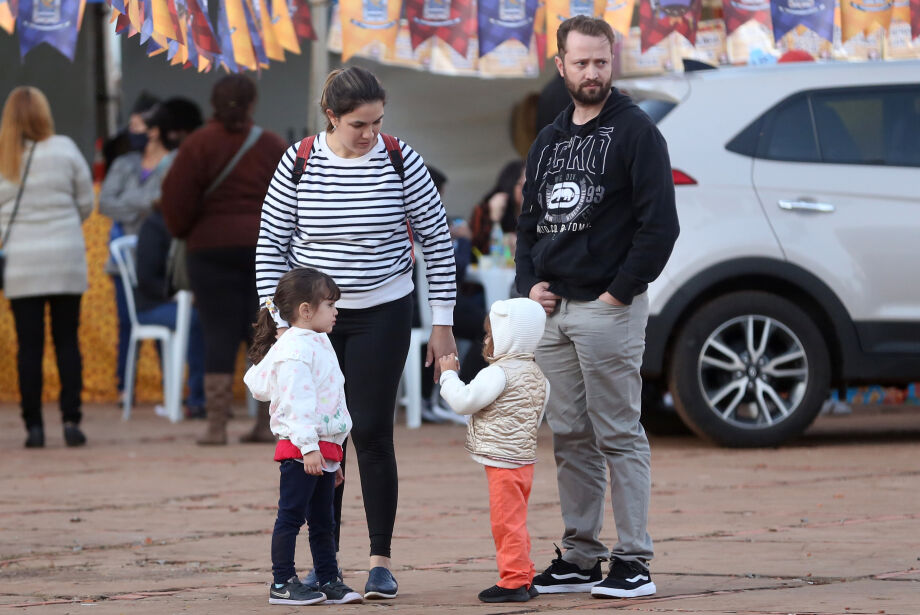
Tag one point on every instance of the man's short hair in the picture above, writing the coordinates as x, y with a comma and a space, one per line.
589, 26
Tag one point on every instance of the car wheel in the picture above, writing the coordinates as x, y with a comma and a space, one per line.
749, 369
658, 414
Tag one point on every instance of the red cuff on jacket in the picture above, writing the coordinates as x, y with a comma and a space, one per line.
330, 451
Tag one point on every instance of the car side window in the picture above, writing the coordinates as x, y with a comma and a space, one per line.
790, 134
850, 127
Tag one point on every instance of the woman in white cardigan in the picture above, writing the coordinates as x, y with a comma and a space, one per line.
45, 252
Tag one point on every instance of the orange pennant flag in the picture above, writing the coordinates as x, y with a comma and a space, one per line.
284, 25
366, 21
558, 11
618, 14
162, 23
863, 17
273, 47
243, 53
7, 21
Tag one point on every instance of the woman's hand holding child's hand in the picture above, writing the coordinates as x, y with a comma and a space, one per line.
449, 362
313, 463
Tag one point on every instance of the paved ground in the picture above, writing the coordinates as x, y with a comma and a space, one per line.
144, 521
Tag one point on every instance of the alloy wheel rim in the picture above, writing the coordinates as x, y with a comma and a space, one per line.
753, 372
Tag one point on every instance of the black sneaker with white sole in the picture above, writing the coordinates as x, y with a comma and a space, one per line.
563, 577
338, 593
294, 593
626, 580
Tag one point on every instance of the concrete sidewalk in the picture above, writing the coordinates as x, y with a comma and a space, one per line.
144, 521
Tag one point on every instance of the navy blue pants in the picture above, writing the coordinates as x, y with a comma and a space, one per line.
304, 498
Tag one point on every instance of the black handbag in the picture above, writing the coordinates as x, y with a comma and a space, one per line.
9, 225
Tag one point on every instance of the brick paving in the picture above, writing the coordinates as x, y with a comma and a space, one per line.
144, 521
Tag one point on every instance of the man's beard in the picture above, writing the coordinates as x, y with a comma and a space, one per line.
583, 96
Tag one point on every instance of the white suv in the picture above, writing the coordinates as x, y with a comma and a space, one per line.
798, 191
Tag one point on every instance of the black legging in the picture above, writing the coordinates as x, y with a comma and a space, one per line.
29, 317
372, 344
224, 283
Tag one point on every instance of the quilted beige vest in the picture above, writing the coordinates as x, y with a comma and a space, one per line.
506, 429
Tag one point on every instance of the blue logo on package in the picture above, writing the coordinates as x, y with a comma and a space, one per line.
374, 10
511, 10
436, 10
581, 7
46, 12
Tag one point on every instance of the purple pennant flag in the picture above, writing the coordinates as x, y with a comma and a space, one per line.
226, 42
816, 15
252, 18
48, 21
502, 20
118, 5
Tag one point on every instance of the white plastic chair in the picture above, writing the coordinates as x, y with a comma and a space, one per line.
412, 373
174, 342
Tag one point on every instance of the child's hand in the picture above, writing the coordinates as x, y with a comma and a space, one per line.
449, 362
313, 463
339, 477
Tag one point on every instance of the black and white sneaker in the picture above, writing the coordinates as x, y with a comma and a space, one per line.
294, 593
338, 593
626, 580
563, 577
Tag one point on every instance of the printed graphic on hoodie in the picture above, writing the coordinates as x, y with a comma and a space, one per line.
573, 182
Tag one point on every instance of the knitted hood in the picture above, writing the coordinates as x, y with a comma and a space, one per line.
517, 326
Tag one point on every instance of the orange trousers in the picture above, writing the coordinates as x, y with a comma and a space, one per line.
509, 490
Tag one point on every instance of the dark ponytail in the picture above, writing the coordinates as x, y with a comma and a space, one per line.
232, 99
295, 287
346, 89
264, 336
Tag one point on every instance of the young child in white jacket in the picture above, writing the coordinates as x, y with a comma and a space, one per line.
299, 374
506, 400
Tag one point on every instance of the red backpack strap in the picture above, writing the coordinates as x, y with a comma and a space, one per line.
303, 154
395, 154
396, 159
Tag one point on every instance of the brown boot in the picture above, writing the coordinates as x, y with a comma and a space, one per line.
218, 393
261, 432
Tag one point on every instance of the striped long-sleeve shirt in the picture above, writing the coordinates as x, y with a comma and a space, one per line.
347, 218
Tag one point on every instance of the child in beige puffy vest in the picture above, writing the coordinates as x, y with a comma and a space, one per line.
506, 401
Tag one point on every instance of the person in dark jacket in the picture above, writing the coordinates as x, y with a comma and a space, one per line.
597, 227
221, 229
155, 306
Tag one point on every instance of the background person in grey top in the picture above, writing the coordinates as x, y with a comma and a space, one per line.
597, 226
45, 253
128, 193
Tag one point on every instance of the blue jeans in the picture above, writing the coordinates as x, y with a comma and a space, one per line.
304, 497
165, 315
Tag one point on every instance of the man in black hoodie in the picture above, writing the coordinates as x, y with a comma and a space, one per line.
597, 226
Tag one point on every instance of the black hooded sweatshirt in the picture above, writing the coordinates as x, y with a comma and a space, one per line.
598, 212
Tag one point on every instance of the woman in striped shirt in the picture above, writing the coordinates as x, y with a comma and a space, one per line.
347, 216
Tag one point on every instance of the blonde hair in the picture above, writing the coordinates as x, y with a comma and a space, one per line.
26, 115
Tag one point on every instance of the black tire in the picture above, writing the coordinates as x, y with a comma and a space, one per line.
658, 414
742, 393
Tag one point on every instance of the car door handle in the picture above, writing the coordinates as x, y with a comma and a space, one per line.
824, 208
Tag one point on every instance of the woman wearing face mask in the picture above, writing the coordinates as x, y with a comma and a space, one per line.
128, 193
346, 216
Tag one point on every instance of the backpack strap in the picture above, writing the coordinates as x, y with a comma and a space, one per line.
395, 154
303, 153
306, 146
396, 159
